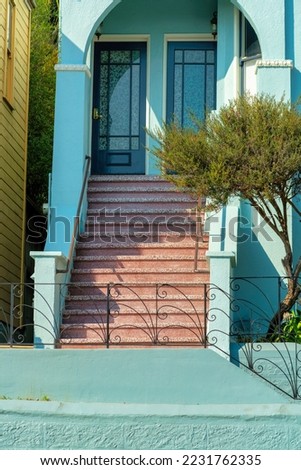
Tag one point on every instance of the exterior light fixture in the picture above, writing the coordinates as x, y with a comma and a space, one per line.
214, 24
98, 32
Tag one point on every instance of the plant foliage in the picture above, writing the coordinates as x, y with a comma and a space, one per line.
41, 99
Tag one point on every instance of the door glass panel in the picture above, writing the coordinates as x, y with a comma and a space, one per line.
135, 99
194, 97
119, 143
178, 98
191, 81
119, 106
194, 57
120, 57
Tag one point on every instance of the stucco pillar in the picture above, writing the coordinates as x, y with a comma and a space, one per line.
48, 298
218, 297
71, 145
222, 254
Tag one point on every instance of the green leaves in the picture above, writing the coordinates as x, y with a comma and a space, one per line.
250, 148
41, 101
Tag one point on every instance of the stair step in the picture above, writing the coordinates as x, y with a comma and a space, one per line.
141, 203
140, 237
132, 335
137, 237
139, 294
140, 277
130, 263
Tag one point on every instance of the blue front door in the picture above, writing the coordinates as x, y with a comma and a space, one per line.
119, 108
191, 81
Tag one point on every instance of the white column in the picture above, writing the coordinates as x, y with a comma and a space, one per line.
48, 300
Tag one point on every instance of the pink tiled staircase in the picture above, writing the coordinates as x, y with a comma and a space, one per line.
138, 247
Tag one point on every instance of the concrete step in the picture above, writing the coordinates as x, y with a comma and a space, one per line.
99, 275
137, 236
96, 293
129, 263
132, 334
141, 204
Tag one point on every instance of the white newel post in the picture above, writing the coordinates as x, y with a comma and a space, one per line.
48, 289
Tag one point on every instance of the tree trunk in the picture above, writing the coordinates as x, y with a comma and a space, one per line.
293, 292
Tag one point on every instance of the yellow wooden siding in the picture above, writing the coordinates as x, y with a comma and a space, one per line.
13, 145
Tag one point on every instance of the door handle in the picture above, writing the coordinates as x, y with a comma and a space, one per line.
96, 115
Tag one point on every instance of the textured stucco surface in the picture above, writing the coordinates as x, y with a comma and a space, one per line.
37, 425
139, 399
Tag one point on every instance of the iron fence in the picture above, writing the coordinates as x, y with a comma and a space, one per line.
236, 323
104, 315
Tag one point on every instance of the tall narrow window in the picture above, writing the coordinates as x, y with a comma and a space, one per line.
250, 52
10, 39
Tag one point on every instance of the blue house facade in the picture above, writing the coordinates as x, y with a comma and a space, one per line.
126, 66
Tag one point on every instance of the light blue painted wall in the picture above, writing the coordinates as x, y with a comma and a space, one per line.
139, 399
149, 376
57, 425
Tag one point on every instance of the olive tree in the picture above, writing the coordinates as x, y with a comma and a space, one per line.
250, 149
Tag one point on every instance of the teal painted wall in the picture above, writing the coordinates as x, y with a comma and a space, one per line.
139, 399
151, 376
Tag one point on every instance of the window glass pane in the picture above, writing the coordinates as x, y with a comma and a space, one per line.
178, 57
194, 57
102, 143
119, 107
252, 46
135, 143
119, 143
103, 99
194, 93
210, 57
120, 57
210, 87
104, 57
178, 90
135, 98
136, 57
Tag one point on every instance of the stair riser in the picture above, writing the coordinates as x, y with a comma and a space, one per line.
138, 293
137, 319
135, 335
123, 239
148, 251
131, 265
141, 277
145, 193
159, 216
137, 226
141, 206
128, 185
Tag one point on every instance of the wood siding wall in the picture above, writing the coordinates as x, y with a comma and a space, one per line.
13, 142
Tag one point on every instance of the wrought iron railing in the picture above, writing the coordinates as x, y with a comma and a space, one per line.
235, 323
273, 355
107, 315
